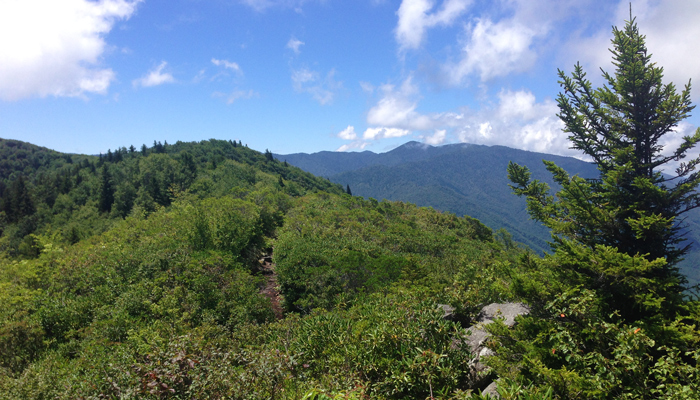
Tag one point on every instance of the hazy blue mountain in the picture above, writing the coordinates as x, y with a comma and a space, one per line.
465, 179
330, 163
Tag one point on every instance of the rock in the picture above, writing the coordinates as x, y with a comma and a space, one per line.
448, 310
477, 337
488, 314
507, 311
491, 391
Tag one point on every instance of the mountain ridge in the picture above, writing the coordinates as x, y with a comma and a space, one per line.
464, 179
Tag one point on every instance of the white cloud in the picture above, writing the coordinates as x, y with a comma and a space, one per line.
668, 26
437, 138
384, 133
415, 19
397, 108
321, 89
348, 133
155, 77
294, 44
353, 145
515, 120
671, 28
54, 48
493, 50
518, 121
228, 65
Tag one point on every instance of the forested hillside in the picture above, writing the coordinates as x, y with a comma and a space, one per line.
212, 271
136, 275
464, 179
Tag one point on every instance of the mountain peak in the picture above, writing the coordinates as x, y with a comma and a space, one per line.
414, 145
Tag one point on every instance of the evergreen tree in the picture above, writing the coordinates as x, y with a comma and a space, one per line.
268, 155
347, 190
632, 209
188, 169
106, 191
132, 149
144, 150
17, 202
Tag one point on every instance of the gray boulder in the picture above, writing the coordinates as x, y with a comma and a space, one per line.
491, 391
477, 337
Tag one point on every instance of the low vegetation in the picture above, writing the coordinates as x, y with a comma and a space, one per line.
137, 274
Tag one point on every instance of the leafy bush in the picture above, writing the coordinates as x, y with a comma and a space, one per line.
398, 344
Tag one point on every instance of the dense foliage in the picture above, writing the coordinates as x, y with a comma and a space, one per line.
142, 280
146, 275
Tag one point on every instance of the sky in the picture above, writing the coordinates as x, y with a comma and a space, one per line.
84, 76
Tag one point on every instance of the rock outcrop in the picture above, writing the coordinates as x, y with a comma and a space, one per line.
477, 338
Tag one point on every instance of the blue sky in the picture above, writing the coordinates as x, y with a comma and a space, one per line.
309, 75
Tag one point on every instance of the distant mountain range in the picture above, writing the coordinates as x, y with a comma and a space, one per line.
464, 179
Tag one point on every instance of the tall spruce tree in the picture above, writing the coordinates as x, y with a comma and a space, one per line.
106, 191
632, 210
17, 202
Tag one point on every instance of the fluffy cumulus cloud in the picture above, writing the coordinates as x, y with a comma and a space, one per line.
155, 77
668, 26
321, 88
436, 138
514, 119
395, 115
671, 28
493, 50
370, 134
356, 145
384, 132
54, 48
348, 133
397, 108
501, 38
517, 120
415, 18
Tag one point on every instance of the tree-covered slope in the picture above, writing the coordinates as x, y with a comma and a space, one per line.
76, 196
465, 180
169, 299
164, 299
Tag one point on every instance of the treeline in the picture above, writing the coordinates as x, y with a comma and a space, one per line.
44, 190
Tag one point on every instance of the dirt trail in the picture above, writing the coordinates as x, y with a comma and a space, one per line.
271, 290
